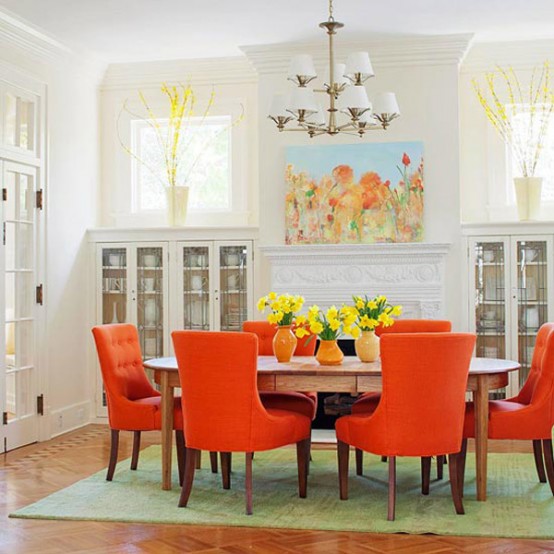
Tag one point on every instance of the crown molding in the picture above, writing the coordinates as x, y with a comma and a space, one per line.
205, 71
390, 51
523, 54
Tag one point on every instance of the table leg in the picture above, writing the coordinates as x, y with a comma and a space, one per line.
481, 406
167, 429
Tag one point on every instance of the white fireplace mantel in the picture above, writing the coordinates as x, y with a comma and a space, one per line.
410, 274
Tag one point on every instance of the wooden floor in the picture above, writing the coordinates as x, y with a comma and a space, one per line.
33, 472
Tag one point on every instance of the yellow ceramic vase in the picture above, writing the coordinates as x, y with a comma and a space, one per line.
284, 343
329, 353
367, 346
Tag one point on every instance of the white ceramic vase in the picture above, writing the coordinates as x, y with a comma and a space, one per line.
528, 197
177, 202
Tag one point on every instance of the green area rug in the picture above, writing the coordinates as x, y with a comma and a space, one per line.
518, 505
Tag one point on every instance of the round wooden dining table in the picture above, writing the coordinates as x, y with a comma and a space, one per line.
352, 376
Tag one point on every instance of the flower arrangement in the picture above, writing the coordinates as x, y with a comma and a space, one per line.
510, 99
283, 308
328, 325
370, 313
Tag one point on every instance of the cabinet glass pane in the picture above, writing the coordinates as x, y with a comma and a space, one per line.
114, 285
150, 314
490, 302
233, 287
196, 287
532, 297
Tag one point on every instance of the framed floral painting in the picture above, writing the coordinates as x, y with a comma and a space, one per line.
354, 193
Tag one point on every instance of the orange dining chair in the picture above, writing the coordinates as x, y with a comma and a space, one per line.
530, 414
368, 401
222, 408
265, 332
421, 412
133, 403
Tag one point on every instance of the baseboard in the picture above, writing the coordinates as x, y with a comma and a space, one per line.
69, 418
324, 436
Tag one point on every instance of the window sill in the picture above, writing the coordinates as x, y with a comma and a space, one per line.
159, 219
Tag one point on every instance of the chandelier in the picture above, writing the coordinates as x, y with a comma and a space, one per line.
346, 95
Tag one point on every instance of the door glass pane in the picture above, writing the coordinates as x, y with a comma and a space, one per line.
19, 121
196, 287
24, 344
11, 390
24, 294
150, 300
532, 288
25, 244
24, 200
114, 285
233, 285
490, 302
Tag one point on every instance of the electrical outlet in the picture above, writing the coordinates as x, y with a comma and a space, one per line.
60, 422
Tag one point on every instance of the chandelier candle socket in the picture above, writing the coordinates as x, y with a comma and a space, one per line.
344, 86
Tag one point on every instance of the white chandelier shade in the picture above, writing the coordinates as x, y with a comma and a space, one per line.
345, 90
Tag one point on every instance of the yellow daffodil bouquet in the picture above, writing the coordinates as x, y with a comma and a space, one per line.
284, 308
327, 325
370, 313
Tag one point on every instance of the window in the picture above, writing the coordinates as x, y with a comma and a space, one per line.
525, 134
205, 153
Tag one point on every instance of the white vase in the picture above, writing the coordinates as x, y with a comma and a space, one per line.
177, 201
528, 197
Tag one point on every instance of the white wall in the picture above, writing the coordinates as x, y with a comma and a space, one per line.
485, 172
71, 207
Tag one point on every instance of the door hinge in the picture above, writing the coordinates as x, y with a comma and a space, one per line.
4, 418
39, 295
4, 194
40, 404
39, 199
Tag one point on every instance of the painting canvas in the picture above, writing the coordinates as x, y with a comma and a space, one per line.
354, 193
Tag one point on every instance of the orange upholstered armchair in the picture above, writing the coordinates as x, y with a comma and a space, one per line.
420, 420
265, 332
133, 404
222, 408
367, 402
530, 414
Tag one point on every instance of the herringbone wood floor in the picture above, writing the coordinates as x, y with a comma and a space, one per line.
35, 471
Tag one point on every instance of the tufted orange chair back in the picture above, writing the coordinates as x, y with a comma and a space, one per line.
416, 326
421, 412
265, 332
541, 373
124, 377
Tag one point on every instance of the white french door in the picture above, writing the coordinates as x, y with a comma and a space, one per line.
18, 351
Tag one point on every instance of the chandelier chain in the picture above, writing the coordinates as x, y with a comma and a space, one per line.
331, 18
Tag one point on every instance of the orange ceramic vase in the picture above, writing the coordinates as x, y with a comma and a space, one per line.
329, 353
284, 343
367, 346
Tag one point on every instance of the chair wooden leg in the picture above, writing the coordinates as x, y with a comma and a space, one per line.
549, 461
226, 469
359, 461
343, 452
248, 483
199, 459
181, 454
462, 467
113, 454
136, 450
539, 464
440, 466
392, 488
425, 474
190, 463
303, 461
453, 460
213, 461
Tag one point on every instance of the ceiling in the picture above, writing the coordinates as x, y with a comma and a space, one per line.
141, 30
